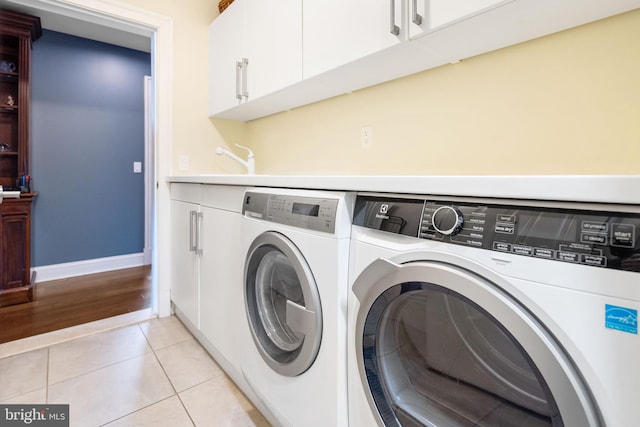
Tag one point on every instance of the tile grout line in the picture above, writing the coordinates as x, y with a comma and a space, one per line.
101, 367
167, 375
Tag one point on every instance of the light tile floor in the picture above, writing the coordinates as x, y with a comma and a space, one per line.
153, 373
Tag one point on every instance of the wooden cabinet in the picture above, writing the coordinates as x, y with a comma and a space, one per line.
255, 49
17, 33
15, 252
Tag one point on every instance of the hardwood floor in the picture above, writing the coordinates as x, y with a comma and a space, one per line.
69, 302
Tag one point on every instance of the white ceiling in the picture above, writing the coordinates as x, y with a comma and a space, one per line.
51, 20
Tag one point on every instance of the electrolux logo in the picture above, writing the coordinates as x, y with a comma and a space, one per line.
34, 415
384, 208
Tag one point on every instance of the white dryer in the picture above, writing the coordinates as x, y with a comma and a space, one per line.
295, 287
469, 312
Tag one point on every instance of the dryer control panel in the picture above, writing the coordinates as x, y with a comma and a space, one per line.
589, 237
311, 213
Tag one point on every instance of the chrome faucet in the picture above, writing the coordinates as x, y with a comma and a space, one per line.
249, 163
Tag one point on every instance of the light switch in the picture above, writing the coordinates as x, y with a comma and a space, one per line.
183, 163
137, 167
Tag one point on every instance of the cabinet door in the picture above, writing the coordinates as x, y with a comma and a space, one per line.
337, 32
427, 15
221, 277
273, 45
14, 232
185, 291
226, 44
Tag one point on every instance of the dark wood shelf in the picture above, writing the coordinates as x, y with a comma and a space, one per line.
18, 31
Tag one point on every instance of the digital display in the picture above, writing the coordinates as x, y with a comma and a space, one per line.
305, 209
557, 227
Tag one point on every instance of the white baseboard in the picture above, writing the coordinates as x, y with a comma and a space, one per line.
90, 266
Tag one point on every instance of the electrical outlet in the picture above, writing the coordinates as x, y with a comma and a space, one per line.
366, 136
183, 163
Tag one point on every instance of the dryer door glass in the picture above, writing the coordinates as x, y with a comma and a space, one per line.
434, 357
282, 304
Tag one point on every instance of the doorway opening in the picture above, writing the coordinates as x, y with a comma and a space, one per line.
122, 20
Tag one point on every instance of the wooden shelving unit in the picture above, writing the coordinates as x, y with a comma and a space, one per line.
17, 33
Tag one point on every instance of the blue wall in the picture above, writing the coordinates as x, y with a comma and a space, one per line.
87, 129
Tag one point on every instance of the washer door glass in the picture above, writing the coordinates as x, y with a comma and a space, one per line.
276, 284
434, 358
283, 305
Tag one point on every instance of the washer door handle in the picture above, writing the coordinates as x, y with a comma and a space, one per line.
379, 268
299, 319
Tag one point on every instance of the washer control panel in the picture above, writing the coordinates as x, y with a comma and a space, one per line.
310, 213
588, 237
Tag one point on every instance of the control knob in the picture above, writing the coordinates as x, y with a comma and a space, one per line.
447, 220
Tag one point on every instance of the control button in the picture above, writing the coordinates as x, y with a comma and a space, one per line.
447, 220
544, 253
522, 250
594, 226
597, 260
568, 256
599, 239
506, 218
505, 228
502, 246
622, 235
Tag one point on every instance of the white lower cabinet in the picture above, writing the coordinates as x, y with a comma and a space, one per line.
185, 288
220, 280
207, 270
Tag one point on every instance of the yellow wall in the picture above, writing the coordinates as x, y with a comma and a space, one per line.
193, 132
568, 103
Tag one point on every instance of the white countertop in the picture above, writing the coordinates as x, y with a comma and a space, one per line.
579, 188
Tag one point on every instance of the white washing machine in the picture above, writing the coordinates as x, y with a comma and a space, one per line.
469, 312
295, 286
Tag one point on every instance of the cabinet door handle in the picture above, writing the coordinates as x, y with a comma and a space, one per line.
198, 246
245, 65
192, 229
416, 17
238, 78
393, 28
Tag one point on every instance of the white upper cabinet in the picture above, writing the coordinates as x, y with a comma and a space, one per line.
255, 49
337, 32
273, 45
226, 48
267, 57
427, 15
